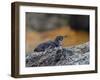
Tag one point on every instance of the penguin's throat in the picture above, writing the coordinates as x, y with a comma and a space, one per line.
57, 42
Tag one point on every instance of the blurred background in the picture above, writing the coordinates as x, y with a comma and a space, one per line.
41, 27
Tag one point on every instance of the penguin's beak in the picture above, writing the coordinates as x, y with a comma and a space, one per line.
65, 36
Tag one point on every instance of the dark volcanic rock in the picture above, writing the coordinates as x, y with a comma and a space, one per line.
75, 55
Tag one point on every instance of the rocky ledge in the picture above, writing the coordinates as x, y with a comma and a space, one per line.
74, 55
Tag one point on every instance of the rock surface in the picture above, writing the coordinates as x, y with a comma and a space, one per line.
74, 55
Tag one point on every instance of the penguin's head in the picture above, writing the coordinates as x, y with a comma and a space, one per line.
59, 38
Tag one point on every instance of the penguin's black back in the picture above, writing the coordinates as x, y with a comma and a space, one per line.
44, 46
48, 44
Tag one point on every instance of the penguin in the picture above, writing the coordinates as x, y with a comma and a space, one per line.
49, 44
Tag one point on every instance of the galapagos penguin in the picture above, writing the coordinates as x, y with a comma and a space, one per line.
49, 44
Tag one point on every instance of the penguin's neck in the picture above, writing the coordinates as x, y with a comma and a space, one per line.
57, 42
